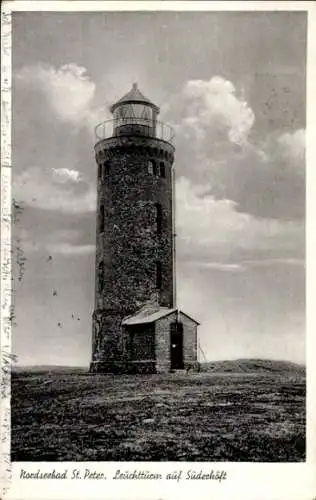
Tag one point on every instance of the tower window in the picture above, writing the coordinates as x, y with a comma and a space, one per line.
100, 276
106, 167
158, 275
158, 218
99, 170
162, 169
155, 167
105, 170
101, 219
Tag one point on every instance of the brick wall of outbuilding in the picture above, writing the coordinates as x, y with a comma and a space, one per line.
189, 340
162, 342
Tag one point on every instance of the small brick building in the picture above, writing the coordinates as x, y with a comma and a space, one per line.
136, 324
159, 339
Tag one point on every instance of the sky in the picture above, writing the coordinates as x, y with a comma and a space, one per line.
232, 84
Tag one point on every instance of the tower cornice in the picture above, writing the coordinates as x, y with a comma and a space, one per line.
148, 146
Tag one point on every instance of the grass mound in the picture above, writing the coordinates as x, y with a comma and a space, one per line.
243, 416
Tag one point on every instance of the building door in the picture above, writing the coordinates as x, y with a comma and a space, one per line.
176, 346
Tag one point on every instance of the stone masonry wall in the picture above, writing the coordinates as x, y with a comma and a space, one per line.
128, 247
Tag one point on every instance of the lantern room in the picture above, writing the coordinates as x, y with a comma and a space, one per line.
134, 114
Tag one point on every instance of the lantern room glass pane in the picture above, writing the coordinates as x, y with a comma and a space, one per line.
133, 113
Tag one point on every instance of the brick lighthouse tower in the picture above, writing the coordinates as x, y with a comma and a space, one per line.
136, 325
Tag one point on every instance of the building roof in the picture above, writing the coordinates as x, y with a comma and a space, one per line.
134, 96
151, 313
147, 314
190, 317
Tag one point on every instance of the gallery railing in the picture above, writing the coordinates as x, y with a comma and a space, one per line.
135, 126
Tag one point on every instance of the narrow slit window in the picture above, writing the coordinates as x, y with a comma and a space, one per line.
158, 218
99, 170
158, 275
101, 220
155, 167
162, 169
100, 276
105, 170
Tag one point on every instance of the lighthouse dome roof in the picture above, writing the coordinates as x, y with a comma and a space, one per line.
134, 96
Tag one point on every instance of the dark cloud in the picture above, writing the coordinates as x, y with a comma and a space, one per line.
264, 184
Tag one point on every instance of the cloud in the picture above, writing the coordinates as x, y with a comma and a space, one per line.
212, 233
64, 175
267, 181
244, 265
68, 90
58, 242
27, 246
300, 262
69, 249
219, 266
207, 109
291, 147
213, 104
216, 148
36, 187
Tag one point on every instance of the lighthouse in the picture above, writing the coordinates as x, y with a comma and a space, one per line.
136, 325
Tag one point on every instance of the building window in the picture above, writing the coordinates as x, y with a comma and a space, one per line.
158, 219
101, 219
162, 169
158, 275
99, 170
100, 276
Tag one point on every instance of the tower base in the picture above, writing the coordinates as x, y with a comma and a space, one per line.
117, 367
121, 367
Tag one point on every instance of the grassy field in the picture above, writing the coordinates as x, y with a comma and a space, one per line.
243, 416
